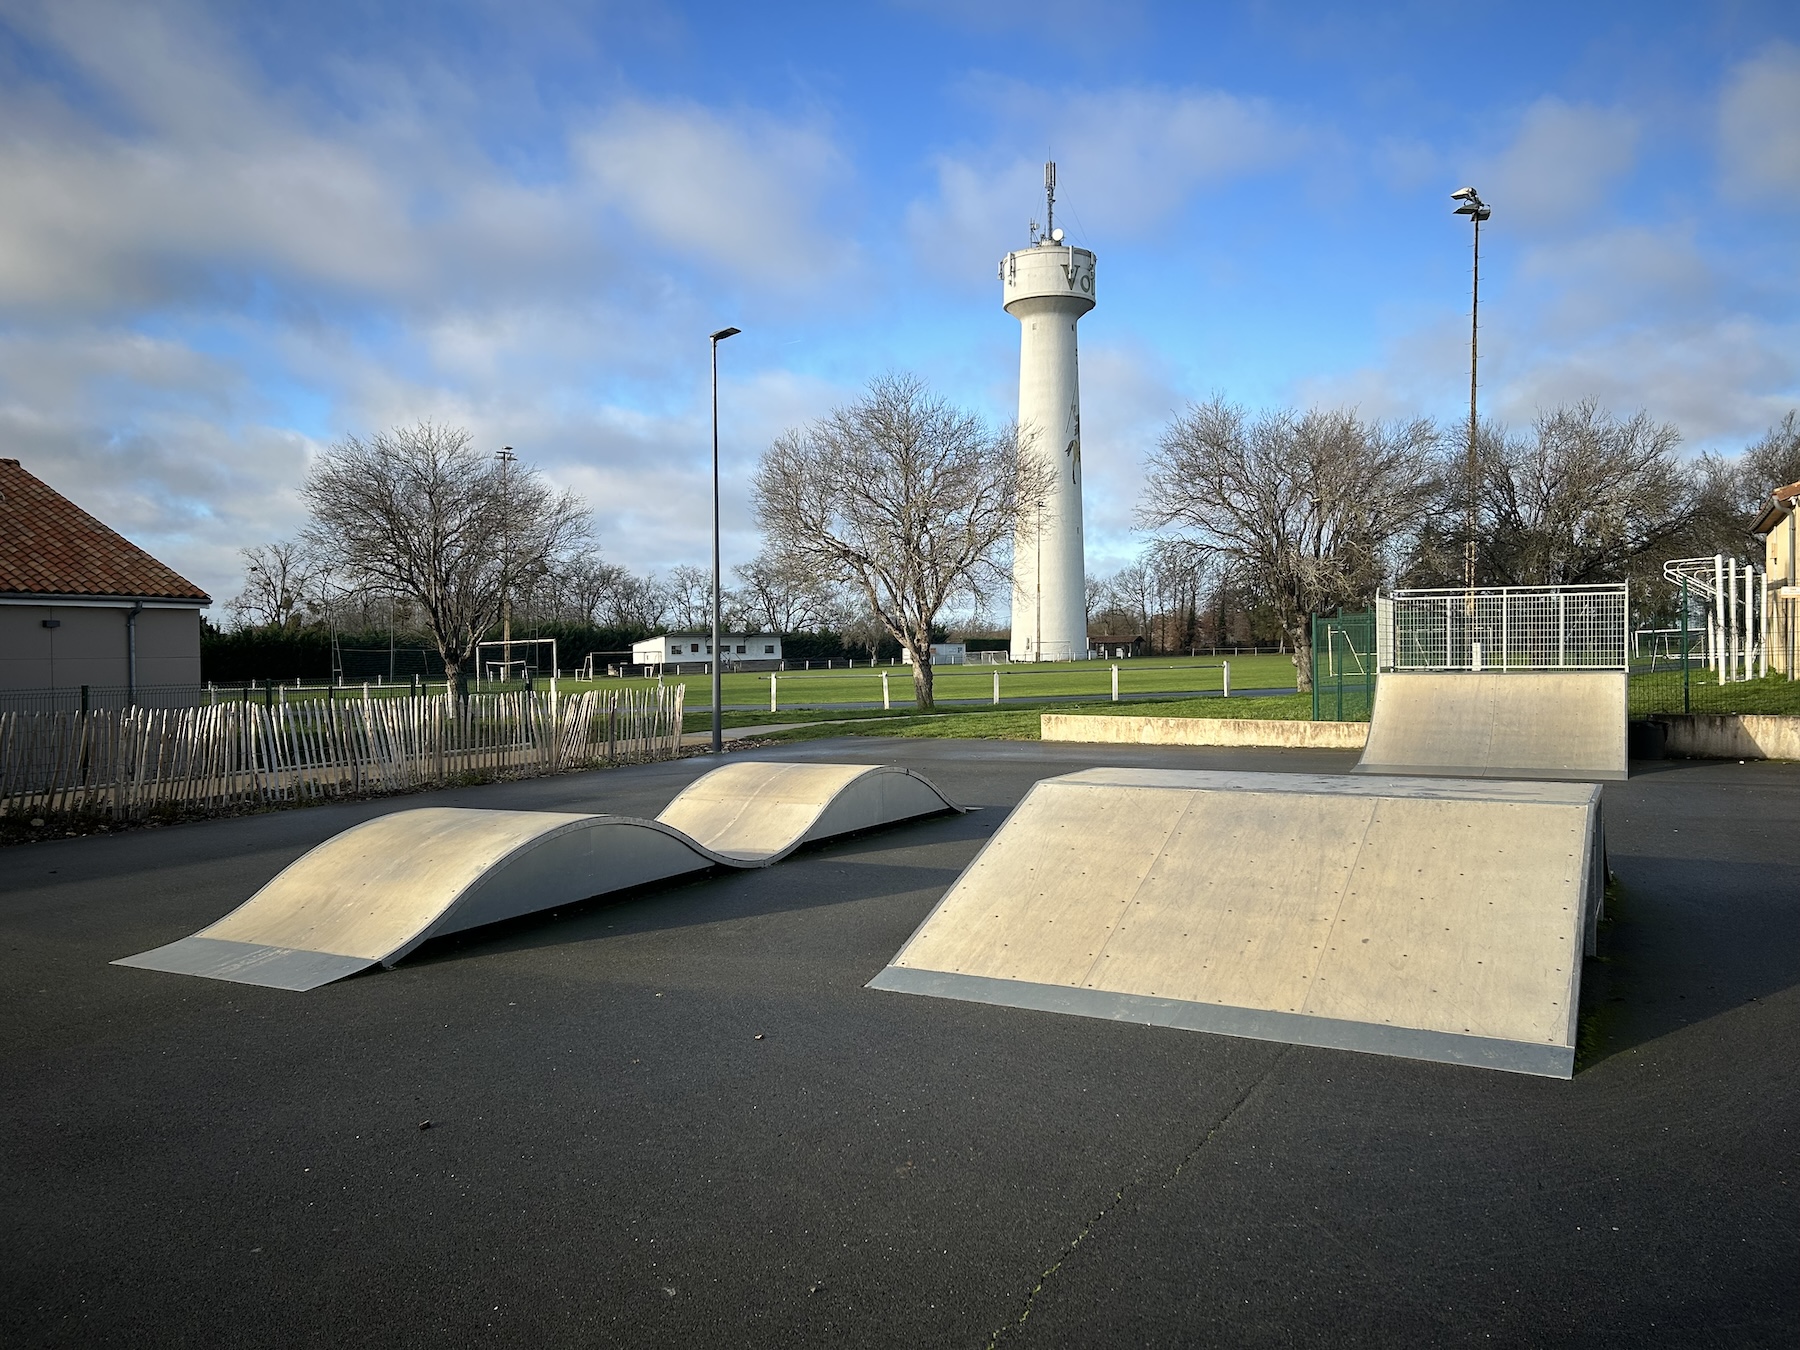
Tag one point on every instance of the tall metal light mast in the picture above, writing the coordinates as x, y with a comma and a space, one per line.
507, 458
1477, 210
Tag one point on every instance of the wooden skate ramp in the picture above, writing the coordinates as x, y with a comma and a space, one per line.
1429, 918
375, 892
1545, 724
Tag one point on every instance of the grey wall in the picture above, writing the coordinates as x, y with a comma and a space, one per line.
88, 646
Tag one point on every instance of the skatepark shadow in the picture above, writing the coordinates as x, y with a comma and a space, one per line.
841, 871
1685, 940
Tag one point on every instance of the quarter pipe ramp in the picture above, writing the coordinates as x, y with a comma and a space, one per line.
1558, 725
372, 894
1431, 918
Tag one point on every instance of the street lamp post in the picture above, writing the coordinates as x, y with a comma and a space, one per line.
718, 704
507, 458
1471, 205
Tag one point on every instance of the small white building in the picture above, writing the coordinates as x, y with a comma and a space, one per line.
678, 652
942, 654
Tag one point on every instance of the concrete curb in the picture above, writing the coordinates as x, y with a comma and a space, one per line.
1291, 735
1726, 736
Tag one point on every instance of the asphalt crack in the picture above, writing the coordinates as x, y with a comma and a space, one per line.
1133, 1187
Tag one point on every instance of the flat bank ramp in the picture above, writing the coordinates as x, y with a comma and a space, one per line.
372, 894
1560, 725
1435, 919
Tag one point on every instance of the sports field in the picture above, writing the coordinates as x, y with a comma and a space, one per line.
862, 687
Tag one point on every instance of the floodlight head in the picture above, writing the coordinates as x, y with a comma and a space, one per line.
1466, 209
724, 333
1463, 195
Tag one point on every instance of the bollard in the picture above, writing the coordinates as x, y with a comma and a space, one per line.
772, 695
1115, 684
1226, 666
996, 686
887, 704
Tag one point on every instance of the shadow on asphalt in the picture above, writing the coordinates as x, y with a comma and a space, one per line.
725, 894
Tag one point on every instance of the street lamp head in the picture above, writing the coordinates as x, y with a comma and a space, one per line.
724, 333
1467, 194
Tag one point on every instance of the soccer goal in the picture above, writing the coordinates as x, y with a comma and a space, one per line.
521, 659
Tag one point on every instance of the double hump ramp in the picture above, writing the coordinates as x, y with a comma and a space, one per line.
372, 894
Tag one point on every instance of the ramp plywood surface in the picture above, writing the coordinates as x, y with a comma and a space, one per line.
1433, 918
1567, 725
375, 892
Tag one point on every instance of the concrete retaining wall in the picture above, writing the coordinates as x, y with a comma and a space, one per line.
1729, 736
1700, 736
1204, 731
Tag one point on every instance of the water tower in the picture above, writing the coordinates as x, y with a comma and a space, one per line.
1047, 288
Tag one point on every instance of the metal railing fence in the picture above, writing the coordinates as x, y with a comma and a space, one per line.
1505, 628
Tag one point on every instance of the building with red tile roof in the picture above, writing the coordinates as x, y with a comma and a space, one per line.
80, 604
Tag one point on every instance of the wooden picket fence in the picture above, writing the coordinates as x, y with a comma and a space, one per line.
133, 761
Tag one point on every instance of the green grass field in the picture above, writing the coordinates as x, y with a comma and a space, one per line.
1173, 675
1079, 679
1003, 723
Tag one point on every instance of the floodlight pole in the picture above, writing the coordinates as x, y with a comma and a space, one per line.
506, 457
1477, 210
1474, 358
718, 704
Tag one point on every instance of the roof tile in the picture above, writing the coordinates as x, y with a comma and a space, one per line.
50, 546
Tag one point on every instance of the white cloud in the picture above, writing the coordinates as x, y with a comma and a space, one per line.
744, 192
204, 183
1127, 160
1563, 162
1759, 126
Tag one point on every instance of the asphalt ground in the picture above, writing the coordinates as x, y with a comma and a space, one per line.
615, 1158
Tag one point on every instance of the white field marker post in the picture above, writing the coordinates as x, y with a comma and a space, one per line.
773, 707
1115, 684
887, 703
1226, 666
996, 686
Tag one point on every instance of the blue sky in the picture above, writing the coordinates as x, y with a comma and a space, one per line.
232, 234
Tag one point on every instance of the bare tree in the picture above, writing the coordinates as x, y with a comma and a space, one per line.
901, 497
419, 512
281, 585
688, 591
1307, 509
1585, 497
782, 595
1734, 490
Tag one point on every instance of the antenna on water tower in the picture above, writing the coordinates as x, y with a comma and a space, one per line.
1050, 197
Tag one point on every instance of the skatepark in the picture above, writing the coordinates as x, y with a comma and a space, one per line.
679, 1115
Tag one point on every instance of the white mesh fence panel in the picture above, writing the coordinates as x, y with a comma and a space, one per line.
1505, 628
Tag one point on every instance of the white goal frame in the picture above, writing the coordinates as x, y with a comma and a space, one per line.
523, 663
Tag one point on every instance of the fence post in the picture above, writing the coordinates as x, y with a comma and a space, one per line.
1115, 671
887, 703
996, 686
1226, 666
1686, 698
773, 694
